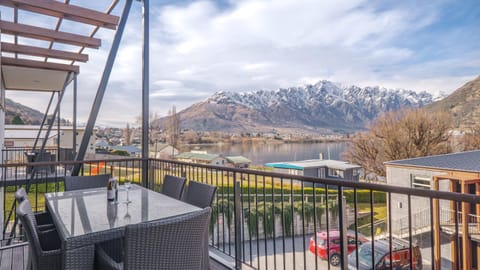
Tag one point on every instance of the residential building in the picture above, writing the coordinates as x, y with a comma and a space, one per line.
238, 161
201, 157
162, 150
323, 168
456, 172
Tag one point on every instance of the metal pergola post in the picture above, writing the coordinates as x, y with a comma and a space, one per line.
43, 121
74, 139
145, 92
102, 87
55, 114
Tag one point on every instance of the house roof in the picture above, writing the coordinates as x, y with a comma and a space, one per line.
197, 156
314, 163
463, 161
238, 159
128, 148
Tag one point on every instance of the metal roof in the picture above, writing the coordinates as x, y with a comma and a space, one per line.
464, 161
197, 156
314, 163
238, 159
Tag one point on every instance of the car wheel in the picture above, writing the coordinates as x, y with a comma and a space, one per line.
335, 259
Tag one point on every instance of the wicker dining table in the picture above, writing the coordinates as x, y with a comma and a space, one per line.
84, 218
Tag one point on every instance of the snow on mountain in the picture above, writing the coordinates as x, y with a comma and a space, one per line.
322, 107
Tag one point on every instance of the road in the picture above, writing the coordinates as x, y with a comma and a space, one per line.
297, 255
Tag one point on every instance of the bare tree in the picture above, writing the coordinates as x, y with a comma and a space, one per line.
470, 140
400, 135
173, 127
127, 134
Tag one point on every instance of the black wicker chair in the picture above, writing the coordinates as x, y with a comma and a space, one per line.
84, 182
173, 186
44, 251
175, 243
43, 219
199, 194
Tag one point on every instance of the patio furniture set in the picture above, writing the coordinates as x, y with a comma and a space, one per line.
150, 230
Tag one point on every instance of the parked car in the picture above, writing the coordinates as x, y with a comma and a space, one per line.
400, 253
332, 250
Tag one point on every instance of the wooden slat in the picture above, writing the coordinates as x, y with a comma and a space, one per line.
43, 52
8, 61
48, 34
67, 11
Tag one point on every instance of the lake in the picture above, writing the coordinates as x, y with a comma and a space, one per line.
260, 154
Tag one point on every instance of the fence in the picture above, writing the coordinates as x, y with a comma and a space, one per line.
260, 219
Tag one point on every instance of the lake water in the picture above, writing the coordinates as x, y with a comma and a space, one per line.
260, 154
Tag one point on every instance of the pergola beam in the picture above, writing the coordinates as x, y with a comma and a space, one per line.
48, 35
43, 52
66, 11
8, 61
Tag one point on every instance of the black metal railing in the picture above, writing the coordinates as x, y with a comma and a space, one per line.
268, 220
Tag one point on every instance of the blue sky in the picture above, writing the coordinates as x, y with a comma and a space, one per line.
201, 47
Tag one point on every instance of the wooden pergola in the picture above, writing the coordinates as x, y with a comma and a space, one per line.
27, 66
459, 181
38, 58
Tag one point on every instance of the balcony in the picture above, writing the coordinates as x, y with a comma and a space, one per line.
264, 220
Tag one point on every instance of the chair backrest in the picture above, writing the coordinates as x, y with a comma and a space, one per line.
20, 195
173, 186
26, 216
83, 182
199, 194
175, 243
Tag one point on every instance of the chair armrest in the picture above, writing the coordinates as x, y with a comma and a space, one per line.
46, 227
43, 218
104, 261
49, 240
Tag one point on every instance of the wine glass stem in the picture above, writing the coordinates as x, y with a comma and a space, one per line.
128, 198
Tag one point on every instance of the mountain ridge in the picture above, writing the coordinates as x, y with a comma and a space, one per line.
462, 103
322, 107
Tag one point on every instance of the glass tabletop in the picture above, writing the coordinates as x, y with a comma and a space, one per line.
88, 211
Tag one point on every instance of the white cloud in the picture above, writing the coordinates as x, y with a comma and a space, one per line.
199, 48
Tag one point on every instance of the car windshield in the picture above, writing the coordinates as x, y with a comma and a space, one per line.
320, 241
365, 255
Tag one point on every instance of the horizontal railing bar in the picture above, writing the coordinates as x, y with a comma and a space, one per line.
445, 195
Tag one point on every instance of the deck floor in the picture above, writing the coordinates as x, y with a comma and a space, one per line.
16, 259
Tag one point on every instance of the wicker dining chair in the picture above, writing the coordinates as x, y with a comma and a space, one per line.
44, 250
199, 194
173, 186
84, 182
43, 219
174, 243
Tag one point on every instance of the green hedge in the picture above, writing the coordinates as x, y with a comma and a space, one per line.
363, 196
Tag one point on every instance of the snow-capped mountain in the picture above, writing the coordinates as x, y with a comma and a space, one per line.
325, 106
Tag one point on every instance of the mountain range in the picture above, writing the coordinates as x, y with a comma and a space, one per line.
322, 107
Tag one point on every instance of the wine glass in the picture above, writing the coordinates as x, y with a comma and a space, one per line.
128, 185
127, 218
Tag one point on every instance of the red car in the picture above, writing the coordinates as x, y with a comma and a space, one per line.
334, 245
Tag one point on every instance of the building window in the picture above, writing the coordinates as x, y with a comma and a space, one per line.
421, 182
294, 172
355, 172
335, 173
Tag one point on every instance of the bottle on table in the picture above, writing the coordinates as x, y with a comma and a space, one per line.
110, 191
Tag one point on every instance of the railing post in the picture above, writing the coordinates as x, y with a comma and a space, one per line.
342, 225
238, 223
